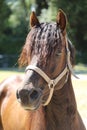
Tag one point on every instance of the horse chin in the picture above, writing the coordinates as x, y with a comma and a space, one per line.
32, 107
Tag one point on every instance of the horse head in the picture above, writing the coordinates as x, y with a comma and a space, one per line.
48, 54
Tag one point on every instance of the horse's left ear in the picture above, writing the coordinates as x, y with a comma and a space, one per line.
33, 19
61, 20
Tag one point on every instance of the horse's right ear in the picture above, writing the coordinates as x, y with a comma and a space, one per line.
33, 19
61, 20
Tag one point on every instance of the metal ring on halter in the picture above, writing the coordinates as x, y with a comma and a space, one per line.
51, 84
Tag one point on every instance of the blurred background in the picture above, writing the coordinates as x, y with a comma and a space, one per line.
14, 27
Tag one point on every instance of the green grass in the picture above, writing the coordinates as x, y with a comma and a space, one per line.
79, 85
81, 69
5, 73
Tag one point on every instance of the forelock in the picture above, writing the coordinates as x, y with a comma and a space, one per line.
44, 39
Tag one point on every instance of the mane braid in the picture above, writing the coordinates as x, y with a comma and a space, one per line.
44, 40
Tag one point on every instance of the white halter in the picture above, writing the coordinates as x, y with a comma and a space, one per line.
53, 82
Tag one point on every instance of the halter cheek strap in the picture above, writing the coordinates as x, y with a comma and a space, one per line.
68, 60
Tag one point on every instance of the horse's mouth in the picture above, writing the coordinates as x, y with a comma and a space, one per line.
33, 106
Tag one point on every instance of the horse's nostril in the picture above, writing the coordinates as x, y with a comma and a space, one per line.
34, 95
22, 95
23, 92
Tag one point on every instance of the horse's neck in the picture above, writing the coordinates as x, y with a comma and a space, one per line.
62, 108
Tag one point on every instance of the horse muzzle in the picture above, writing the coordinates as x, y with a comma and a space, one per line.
29, 99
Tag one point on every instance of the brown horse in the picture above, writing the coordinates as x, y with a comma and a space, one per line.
46, 96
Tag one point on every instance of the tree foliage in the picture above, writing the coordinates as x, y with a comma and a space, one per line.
77, 22
14, 22
4, 14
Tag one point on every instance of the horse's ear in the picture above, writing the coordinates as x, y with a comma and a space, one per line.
61, 20
33, 19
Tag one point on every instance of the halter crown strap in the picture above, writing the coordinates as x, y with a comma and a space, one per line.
68, 60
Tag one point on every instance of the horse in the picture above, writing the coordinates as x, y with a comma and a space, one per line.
43, 99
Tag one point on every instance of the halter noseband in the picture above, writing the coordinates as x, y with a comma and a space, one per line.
53, 82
